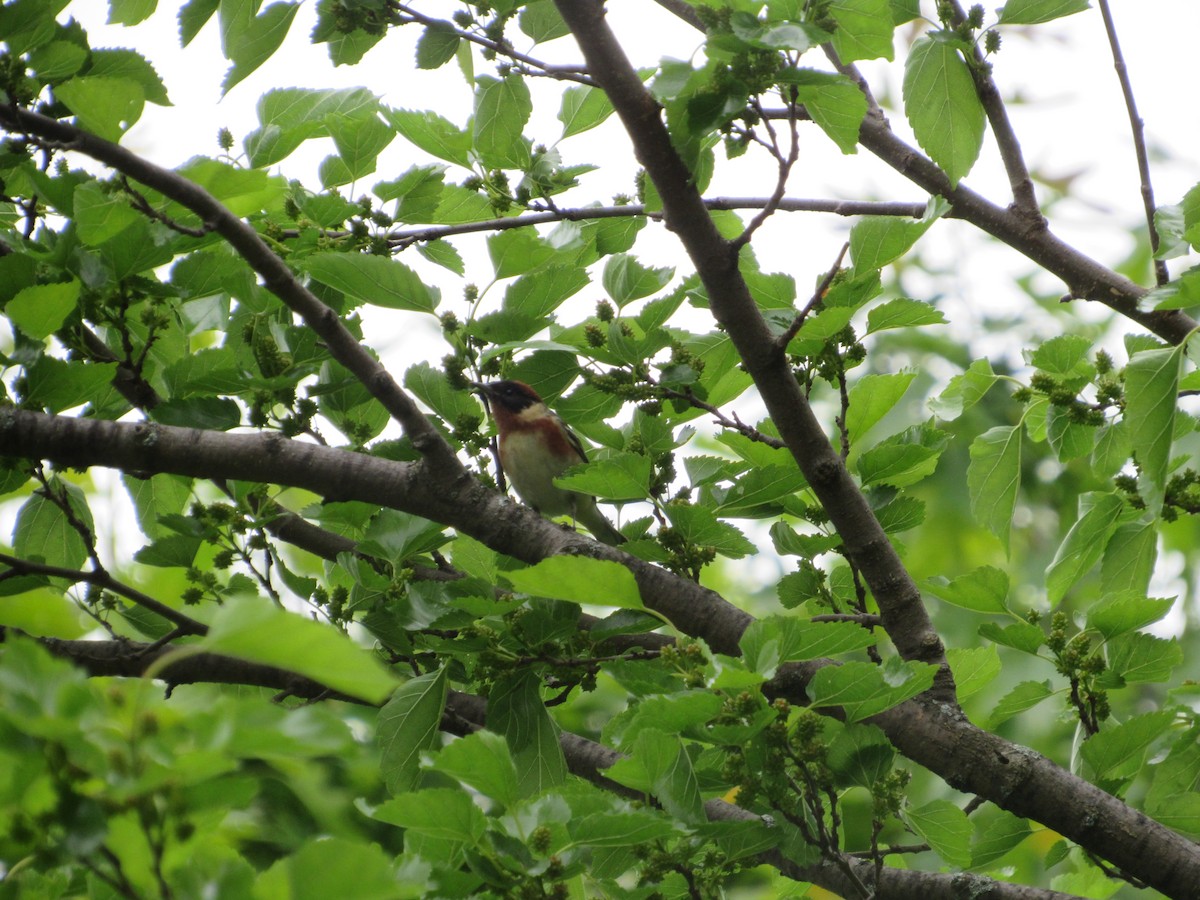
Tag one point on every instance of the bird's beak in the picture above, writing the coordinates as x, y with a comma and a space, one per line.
478, 387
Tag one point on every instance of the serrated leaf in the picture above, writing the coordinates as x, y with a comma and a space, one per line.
579, 580
261, 632
1128, 741
982, 590
1023, 696
941, 104
1084, 543
772, 641
993, 478
447, 814
863, 689
873, 397
964, 390
515, 710
904, 312
876, 241
945, 827
1034, 12
408, 725
1127, 612
1151, 388
373, 279
622, 477
974, 668
502, 108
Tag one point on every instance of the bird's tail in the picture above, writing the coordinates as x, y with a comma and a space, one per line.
589, 515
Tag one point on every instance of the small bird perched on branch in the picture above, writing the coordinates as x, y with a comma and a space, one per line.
536, 446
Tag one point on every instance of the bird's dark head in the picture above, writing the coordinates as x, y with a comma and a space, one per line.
513, 396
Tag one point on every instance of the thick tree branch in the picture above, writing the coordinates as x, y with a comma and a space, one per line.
457, 500
904, 617
276, 276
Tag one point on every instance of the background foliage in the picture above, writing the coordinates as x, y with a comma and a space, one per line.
884, 548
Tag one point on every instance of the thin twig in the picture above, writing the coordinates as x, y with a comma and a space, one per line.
1161, 274
103, 579
818, 295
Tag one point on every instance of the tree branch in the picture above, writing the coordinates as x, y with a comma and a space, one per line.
276, 276
715, 259
455, 500
1137, 128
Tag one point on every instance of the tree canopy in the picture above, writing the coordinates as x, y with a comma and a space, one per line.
905, 605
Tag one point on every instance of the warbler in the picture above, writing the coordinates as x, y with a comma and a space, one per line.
536, 446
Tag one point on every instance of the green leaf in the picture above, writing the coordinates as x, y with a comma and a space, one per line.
659, 764
772, 641
1142, 658
121, 63
974, 668
1151, 387
624, 476
1034, 12
437, 46
579, 580
860, 755
130, 12
359, 141
1064, 356
107, 107
998, 837
899, 465
941, 104
993, 478
625, 279
863, 689
408, 725
964, 390
41, 309
44, 532
447, 814
249, 40
873, 397
260, 632
518, 250
515, 710
540, 293
434, 134
1084, 544
1023, 696
373, 279
158, 495
1129, 558
1109, 749
540, 20
834, 101
876, 241
904, 312
864, 29
100, 216
945, 828
501, 110
1127, 612
322, 868
984, 590
481, 761
1023, 636
759, 491
55, 385
583, 108
699, 525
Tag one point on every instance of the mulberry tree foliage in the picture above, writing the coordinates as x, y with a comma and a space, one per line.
898, 613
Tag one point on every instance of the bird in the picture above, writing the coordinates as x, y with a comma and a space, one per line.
536, 446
